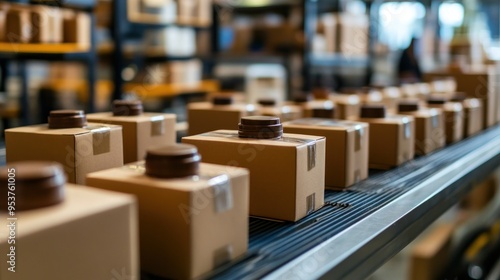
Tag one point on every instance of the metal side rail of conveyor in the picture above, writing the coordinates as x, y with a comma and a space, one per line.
361, 228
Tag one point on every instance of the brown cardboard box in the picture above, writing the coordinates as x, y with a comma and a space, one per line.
353, 34
347, 106
77, 28
329, 22
390, 98
205, 116
473, 116
392, 140
47, 24
346, 151
188, 226
18, 25
204, 11
79, 150
284, 112
480, 85
92, 234
430, 256
140, 132
454, 120
429, 130
3, 18
287, 176
319, 109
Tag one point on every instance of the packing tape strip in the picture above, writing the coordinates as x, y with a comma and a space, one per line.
101, 139
311, 144
223, 255
221, 185
157, 125
359, 130
223, 196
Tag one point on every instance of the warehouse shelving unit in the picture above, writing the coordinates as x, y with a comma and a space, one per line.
22, 53
123, 20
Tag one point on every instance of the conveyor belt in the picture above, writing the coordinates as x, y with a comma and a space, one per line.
273, 244
278, 246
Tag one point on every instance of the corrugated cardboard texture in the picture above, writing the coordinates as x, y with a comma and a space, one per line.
391, 141
91, 235
476, 85
182, 235
204, 117
429, 130
79, 150
346, 148
140, 132
281, 181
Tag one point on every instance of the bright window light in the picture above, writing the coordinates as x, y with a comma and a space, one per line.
399, 22
451, 14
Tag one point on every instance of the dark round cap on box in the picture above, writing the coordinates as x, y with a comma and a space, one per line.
459, 97
36, 184
222, 100
127, 108
260, 127
67, 119
173, 161
302, 98
373, 111
267, 102
408, 106
437, 100
325, 113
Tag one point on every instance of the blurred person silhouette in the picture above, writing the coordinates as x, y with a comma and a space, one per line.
408, 67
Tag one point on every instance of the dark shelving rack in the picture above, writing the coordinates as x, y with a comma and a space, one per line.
120, 28
88, 56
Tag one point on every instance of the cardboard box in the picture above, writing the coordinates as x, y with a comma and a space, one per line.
473, 116
390, 98
329, 22
347, 106
429, 130
346, 150
392, 140
47, 24
353, 34
284, 112
454, 120
199, 11
92, 234
480, 84
287, 176
205, 116
79, 150
3, 18
188, 226
18, 25
140, 132
77, 28
319, 109
430, 256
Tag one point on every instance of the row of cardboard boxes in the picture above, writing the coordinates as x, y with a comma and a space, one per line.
43, 24
185, 217
20, 23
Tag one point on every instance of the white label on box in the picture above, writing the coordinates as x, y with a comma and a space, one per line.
223, 197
